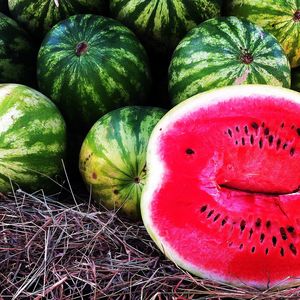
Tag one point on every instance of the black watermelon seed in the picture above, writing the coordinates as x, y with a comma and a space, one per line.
258, 222
189, 151
293, 249
290, 229
298, 131
283, 233
278, 143
229, 132
203, 208
267, 131
274, 241
271, 138
254, 125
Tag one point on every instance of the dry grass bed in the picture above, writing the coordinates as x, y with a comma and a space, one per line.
70, 250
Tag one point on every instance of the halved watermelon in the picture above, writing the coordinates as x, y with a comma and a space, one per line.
222, 195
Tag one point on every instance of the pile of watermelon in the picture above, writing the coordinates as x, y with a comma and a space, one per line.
180, 113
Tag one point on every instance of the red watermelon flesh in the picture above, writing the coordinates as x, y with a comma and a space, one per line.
222, 196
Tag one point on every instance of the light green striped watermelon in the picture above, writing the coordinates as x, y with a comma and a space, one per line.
32, 139
89, 65
113, 157
279, 17
39, 16
17, 54
226, 51
161, 24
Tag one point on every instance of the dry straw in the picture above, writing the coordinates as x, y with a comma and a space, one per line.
53, 249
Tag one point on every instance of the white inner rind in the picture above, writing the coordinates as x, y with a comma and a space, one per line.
156, 167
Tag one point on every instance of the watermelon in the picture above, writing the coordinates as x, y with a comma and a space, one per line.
222, 196
226, 51
279, 17
89, 65
32, 139
162, 24
17, 54
113, 154
39, 16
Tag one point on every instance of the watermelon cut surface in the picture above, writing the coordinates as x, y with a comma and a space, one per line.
222, 194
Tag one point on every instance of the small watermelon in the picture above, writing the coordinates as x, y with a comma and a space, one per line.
39, 16
222, 193
17, 54
226, 51
112, 157
279, 17
32, 139
89, 65
162, 24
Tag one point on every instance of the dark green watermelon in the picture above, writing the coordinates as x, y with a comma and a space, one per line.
89, 65
161, 24
39, 16
17, 54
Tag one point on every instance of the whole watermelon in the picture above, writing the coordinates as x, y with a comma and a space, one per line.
39, 16
32, 139
113, 157
161, 24
89, 65
279, 17
17, 54
226, 51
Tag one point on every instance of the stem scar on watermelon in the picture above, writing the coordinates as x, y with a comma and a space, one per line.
222, 194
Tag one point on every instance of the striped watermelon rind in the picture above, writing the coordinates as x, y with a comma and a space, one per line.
162, 24
112, 157
32, 139
226, 51
17, 54
111, 70
279, 17
39, 16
